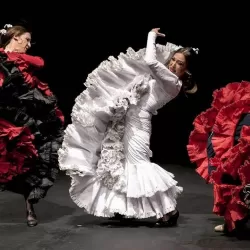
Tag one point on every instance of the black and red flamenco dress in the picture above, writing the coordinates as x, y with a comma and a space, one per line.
31, 128
220, 147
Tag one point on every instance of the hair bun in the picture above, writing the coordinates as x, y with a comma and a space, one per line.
196, 50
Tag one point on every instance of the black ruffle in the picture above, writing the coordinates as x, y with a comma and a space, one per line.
24, 105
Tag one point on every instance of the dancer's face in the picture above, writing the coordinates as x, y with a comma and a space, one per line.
22, 42
178, 64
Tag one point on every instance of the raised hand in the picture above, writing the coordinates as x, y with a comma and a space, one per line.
156, 30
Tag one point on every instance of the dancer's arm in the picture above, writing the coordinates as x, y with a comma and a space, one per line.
169, 80
34, 61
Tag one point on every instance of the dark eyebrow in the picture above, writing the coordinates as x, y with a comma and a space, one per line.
177, 59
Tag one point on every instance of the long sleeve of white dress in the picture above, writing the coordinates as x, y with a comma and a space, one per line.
170, 82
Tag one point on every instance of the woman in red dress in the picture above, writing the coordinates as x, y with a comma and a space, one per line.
31, 125
220, 146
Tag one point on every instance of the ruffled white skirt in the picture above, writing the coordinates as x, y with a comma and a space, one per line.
107, 154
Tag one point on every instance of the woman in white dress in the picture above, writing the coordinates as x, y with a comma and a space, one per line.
106, 148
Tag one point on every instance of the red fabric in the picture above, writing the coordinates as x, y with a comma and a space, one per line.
1, 78
60, 114
227, 200
27, 64
222, 118
16, 145
225, 125
231, 93
197, 147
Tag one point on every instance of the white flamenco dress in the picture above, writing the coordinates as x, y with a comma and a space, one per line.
106, 148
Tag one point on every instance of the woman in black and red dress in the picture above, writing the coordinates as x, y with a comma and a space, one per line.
220, 146
31, 125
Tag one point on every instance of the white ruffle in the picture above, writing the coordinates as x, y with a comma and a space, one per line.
116, 74
88, 193
146, 179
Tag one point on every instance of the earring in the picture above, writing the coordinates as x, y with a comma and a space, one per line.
188, 73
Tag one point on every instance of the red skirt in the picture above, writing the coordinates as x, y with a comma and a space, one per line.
220, 147
16, 149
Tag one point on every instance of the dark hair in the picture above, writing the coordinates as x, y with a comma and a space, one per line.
189, 85
10, 33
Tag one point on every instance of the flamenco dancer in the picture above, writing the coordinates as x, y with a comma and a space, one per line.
220, 146
31, 125
106, 148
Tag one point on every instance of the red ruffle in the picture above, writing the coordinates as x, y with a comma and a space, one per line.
225, 125
204, 125
44, 87
16, 146
228, 203
227, 199
227, 108
231, 93
197, 147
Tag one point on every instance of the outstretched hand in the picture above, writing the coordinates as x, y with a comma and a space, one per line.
156, 30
